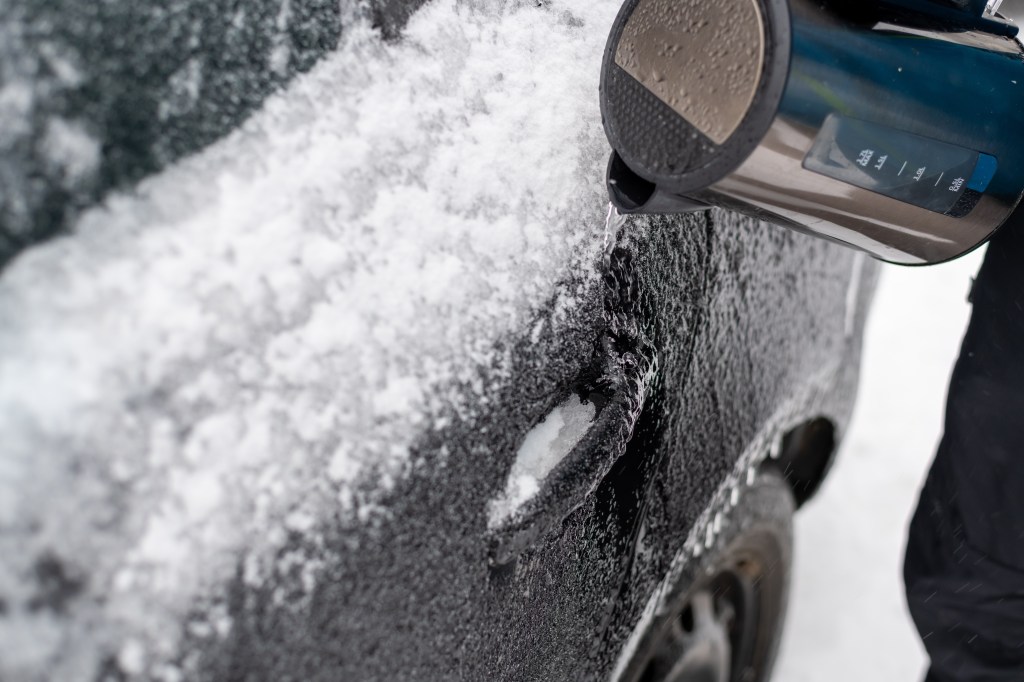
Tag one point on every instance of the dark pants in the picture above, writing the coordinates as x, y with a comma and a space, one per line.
964, 567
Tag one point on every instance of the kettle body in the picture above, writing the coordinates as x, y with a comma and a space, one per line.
895, 131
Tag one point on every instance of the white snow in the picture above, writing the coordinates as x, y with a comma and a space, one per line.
69, 147
226, 352
64, 64
184, 87
544, 447
848, 620
280, 54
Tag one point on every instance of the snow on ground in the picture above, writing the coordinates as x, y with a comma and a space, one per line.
225, 355
847, 619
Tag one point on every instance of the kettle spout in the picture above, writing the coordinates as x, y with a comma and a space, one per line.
630, 193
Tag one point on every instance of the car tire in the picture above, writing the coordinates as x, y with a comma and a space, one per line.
724, 617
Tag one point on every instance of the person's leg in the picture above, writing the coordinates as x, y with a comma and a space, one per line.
964, 568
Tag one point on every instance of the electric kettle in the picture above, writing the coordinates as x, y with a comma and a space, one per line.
893, 127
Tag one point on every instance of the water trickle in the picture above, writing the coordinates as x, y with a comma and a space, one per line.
612, 222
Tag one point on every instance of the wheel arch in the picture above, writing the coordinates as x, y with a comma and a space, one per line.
806, 454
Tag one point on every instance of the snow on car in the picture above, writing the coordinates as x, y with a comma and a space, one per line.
370, 387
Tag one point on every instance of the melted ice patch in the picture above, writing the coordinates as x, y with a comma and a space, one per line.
544, 447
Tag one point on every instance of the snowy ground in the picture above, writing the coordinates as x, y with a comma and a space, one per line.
848, 621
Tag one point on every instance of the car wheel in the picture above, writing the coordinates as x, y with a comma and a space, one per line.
726, 622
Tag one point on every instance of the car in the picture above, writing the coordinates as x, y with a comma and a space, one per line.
324, 357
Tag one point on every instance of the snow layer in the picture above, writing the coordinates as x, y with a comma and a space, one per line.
544, 447
251, 341
848, 620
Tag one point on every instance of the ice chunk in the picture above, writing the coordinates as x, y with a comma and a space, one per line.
544, 447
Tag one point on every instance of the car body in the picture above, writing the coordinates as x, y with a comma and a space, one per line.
283, 388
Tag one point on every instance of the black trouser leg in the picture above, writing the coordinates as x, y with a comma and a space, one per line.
964, 568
